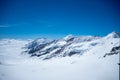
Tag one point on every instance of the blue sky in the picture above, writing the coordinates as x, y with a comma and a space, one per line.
57, 18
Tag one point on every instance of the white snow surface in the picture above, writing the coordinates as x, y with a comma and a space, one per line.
90, 66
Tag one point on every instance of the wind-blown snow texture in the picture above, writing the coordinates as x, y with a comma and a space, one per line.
70, 58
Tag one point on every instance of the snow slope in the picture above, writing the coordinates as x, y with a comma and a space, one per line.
72, 45
89, 66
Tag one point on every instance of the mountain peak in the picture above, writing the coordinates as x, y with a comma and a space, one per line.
68, 37
113, 35
41, 40
37, 42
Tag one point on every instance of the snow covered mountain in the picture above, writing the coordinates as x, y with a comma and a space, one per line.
73, 45
69, 58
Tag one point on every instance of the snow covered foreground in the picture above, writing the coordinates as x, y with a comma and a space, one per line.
89, 66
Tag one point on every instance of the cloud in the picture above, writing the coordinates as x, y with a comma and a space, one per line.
42, 23
3, 26
8, 25
11, 25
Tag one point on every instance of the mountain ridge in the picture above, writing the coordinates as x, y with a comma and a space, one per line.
70, 45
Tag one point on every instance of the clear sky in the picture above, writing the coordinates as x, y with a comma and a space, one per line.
57, 18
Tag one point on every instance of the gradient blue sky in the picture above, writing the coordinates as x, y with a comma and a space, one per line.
57, 18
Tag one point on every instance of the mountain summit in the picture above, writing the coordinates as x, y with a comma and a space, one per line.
113, 35
68, 37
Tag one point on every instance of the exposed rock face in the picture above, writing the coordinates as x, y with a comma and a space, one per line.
70, 45
115, 50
